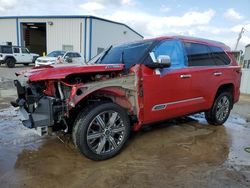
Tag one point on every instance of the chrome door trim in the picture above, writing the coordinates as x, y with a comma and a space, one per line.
164, 105
185, 75
217, 73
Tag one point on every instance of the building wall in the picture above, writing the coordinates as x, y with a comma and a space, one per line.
247, 53
8, 31
71, 32
105, 33
63, 31
245, 80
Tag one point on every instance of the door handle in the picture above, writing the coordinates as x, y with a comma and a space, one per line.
185, 75
217, 73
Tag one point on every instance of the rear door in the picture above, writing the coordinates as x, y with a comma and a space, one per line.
207, 72
26, 57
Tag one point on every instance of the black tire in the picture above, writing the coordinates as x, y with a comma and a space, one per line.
218, 114
10, 62
26, 64
88, 125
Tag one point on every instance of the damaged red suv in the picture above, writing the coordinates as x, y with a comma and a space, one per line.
129, 86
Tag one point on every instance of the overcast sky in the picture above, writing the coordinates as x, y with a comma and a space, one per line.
214, 19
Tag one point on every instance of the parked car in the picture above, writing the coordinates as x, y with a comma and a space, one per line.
130, 86
56, 57
11, 55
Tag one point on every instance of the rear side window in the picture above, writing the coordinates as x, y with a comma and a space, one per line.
198, 55
16, 50
219, 56
70, 55
77, 55
6, 49
25, 51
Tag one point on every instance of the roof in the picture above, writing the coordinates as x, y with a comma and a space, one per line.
195, 39
71, 16
247, 46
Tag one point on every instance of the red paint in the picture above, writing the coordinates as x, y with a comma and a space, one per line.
153, 89
50, 89
60, 72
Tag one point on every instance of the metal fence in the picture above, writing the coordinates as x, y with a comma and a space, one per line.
245, 81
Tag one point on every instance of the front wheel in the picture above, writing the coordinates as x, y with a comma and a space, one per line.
220, 110
101, 131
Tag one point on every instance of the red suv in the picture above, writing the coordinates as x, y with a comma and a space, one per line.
129, 86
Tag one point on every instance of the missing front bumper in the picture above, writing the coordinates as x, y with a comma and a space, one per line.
35, 110
41, 115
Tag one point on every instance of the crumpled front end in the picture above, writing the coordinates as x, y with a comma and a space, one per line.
37, 110
53, 97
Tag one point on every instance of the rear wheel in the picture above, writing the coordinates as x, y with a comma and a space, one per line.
220, 110
10, 62
101, 132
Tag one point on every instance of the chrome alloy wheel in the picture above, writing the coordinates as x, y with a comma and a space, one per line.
105, 132
222, 108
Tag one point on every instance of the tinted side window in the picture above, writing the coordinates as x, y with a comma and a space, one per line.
70, 55
76, 55
6, 49
172, 48
198, 55
220, 56
16, 50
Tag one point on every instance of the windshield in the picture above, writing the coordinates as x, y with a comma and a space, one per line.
56, 54
128, 54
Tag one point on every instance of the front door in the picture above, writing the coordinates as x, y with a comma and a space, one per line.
17, 54
167, 91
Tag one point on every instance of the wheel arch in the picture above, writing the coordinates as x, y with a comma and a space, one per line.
228, 87
9, 57
116, 94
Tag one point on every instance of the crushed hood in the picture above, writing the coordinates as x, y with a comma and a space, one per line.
61, 71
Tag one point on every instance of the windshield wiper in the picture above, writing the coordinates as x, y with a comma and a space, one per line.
105, 53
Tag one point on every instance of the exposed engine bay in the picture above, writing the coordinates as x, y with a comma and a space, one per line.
54, 103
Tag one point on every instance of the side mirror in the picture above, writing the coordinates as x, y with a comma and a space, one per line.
163, 61
68, 59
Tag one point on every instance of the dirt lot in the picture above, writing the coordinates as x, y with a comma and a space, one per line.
181, 153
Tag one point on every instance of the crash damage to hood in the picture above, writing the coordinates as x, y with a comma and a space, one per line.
62, 71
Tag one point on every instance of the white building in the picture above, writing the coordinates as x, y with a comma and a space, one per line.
246, 62
88, 35
245, 80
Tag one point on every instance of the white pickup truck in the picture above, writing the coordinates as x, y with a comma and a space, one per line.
11, 55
